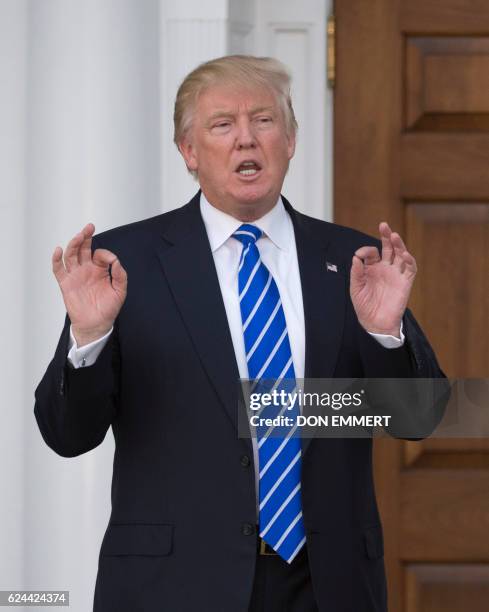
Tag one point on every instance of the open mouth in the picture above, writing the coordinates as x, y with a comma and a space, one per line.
248, 168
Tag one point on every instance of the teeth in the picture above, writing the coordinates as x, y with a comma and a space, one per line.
248, 172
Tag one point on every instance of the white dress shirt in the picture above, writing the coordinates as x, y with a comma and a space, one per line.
278, 253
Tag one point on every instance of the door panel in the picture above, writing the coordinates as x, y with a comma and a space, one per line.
451, 588
411, 147
451, 294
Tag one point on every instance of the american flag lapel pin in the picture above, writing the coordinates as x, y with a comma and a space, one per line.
330, 267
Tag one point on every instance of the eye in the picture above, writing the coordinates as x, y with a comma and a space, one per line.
222, 125
264, 120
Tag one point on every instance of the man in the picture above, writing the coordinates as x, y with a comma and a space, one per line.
165, 315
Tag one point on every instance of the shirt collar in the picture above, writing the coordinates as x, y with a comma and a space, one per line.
276, 224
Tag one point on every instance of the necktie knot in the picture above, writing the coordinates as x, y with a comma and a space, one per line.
247, 234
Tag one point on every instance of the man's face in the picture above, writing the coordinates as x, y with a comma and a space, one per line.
239, 147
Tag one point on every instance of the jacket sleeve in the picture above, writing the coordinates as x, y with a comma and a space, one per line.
406, 383
75, 407
415, 358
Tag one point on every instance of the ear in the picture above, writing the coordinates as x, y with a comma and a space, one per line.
188, 152
291, 145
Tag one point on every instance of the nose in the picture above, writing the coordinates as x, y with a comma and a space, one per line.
245, 137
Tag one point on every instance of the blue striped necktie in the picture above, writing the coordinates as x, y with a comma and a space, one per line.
270, 365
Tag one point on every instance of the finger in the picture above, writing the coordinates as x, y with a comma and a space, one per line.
368, 254
119, 278
57, 264
409, 263
85, 252
398, 241
387, 248
71, 252
103, 258
399, 249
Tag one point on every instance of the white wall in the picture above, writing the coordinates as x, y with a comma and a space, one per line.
87, 90
13, 391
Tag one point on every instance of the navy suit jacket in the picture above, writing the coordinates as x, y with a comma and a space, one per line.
181, 535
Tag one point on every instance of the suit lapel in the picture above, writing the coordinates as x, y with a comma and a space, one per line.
323, 294
189, 268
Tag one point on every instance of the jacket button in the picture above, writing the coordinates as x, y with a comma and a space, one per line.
247, 529
245, 460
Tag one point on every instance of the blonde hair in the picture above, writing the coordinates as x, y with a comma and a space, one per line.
245, 71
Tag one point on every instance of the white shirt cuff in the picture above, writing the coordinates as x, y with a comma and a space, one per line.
86, 355
389, 342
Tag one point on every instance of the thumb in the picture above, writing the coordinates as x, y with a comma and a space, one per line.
103, 258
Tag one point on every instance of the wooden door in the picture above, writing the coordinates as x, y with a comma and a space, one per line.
412, 147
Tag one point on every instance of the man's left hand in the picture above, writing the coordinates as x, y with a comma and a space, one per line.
380, 284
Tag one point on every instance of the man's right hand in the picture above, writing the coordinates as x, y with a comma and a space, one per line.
92, 299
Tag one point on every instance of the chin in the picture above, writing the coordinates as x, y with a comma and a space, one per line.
252, 195
249, 209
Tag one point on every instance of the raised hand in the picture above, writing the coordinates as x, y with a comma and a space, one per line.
380, 284
92, 299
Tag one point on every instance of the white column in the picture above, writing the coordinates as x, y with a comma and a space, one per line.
92, 155
13, 54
